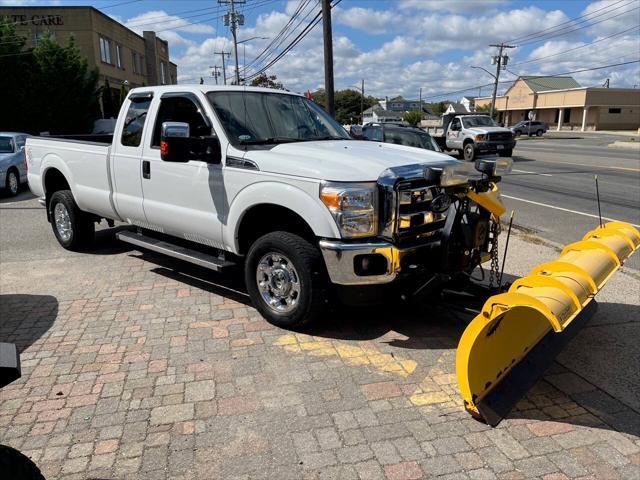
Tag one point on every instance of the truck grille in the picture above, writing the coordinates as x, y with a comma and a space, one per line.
414, 217
500, 136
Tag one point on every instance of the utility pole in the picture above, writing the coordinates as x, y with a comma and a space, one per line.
215, 74
224, 69
328, 56
362, 103
501, 64
420, 100
234, 19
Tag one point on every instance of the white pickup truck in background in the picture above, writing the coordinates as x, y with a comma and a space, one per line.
222, 176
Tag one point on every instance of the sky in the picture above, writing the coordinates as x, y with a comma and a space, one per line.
397, 46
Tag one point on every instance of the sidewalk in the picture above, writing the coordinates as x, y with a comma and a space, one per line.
143, 368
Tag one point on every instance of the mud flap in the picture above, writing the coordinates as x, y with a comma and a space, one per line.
509, 345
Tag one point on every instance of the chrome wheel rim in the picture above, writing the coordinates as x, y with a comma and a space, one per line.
278, 282
63, 222
13, 182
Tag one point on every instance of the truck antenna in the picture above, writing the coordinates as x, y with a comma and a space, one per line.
598, 197
506, 247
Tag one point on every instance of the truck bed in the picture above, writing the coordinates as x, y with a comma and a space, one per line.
85, 164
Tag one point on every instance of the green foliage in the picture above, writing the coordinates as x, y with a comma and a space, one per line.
346, 103
265, 81
438, 108
50, 87
413, 118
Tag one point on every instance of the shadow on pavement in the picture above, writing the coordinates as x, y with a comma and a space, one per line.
26, 318
23, 194
106, 242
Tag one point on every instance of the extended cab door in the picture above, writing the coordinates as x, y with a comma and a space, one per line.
454, 139
182, 199
126, 157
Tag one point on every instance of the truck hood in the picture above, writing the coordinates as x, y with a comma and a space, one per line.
341, 160
480, 130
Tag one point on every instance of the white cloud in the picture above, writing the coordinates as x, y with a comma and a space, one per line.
458, 6
368, 20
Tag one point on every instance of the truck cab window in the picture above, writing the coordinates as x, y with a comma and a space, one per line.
180, 109
134, 122
455, 124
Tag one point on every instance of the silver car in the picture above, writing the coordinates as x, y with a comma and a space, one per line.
13, 165
529, 128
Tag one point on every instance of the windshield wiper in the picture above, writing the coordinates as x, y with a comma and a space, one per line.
326, 137
269, 141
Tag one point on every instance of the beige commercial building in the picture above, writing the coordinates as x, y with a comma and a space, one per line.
564, 105
120, 55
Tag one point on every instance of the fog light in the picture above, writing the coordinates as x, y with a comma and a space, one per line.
370, 264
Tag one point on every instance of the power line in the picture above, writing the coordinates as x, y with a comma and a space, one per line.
571, 20
578, 48
577, 28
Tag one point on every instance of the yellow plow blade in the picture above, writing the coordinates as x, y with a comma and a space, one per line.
507, 347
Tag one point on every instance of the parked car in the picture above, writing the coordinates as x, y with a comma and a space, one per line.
267, 180
472, 135
399, 135
13, 167
529, 128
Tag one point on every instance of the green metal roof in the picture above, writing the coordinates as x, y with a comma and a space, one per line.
541, 84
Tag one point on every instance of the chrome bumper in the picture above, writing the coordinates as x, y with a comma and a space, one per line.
339, 259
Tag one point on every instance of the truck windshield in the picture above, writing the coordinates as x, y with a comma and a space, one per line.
261, 118
6, 145
484, 121
411, 139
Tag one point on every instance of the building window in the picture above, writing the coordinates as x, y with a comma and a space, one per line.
163, 73
105, 50
40, 35
615, 110
134, 61
142, 65
119, 56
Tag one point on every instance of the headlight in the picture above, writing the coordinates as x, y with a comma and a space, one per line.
456, 174
503, 166
480, 138
353, 207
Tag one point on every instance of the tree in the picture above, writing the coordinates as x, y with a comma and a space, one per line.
265, 81
413, 118
486, 109
438, 108
347, 103
49, 88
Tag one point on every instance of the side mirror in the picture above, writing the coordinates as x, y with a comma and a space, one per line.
177, 146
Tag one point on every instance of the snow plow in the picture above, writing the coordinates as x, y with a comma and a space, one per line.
516, 336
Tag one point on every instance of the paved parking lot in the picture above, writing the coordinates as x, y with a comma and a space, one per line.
141, 367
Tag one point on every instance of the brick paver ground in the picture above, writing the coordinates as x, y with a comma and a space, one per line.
134, 370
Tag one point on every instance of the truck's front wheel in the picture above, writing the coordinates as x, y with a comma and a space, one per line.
469, 152
70, 226
286, 279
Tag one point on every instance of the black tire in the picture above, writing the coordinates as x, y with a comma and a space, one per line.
82, 229
539, 133
17, 466
312, 280
12, 182
469, 152
506, 153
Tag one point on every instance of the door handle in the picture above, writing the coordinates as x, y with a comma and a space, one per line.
146, 169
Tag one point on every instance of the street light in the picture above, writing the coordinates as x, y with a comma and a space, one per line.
244, 57
481, 68
361, 90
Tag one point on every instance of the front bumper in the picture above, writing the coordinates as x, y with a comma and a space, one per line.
495, 146
342, 260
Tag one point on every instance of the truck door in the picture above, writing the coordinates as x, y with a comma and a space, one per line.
453, 134
127, 159
182, 199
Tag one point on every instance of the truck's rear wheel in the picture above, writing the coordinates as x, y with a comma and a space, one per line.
469, 152
286, 280
72, 228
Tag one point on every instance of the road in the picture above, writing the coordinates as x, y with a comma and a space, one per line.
552, 187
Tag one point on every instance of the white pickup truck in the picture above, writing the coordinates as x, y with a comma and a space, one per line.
223, 176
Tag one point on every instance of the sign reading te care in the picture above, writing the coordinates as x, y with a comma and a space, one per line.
36, 19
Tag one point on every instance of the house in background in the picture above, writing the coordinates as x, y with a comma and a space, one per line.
380, 115
562, 103
456, 108
469, 103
